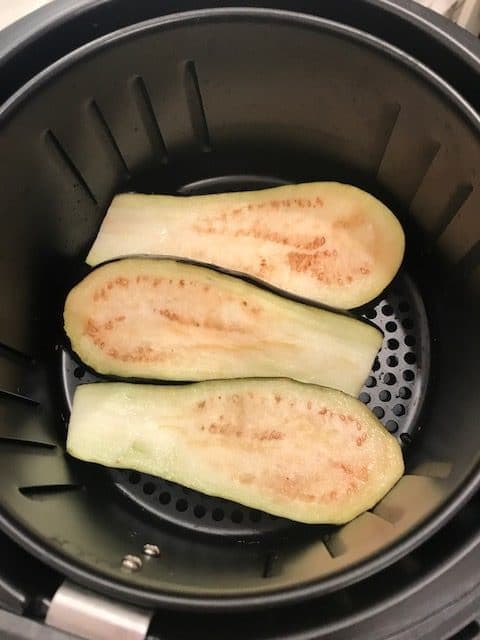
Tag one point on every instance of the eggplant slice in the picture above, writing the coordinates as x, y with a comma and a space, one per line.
161, 319
303, 452
325, 241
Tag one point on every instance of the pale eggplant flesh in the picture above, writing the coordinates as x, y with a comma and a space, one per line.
161, 319
325, 241
307, 453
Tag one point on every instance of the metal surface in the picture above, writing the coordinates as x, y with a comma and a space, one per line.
132, 563
151, 550
95, 617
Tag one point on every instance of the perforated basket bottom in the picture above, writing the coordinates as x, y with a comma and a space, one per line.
394, 391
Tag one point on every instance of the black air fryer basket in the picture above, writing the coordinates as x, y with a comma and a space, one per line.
207, 101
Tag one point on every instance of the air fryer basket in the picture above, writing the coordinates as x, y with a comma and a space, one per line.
217, 100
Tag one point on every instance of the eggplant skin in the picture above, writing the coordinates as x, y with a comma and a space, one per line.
307, 453
161, 319
324, 241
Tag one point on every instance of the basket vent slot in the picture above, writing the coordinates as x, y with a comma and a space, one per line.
195, 105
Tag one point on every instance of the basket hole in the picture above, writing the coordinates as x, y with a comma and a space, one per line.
364, 397
406, 438
392, 361
218, 515
392, 426
408, 375
398, 410
379, 412
181, 505
393, 344
389, 378
391, 326
165, 497
407, 323
255, 516
371, 382
387, 310
134, 477
410, 340
79, 372
371, 314
404, 393
199, 511
410, 358
384, 395
376, 365
148, 488
236, 516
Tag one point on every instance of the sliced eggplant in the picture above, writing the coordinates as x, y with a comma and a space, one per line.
325, 241
149, 318
303, 452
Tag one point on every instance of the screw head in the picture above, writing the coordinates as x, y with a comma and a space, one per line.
151, 550
132, 563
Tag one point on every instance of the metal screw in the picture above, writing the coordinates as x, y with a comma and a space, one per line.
132, 563
151, 550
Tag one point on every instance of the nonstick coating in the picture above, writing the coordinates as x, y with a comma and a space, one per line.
171, 106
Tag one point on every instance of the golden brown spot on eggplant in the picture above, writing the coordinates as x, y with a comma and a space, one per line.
278, 398
309, 405
182, 283
246, 478
317, 265
291, 488
270, 435
359, 473
91, 328
138, 353
352, 487
361, 439
208, 323
350, 222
